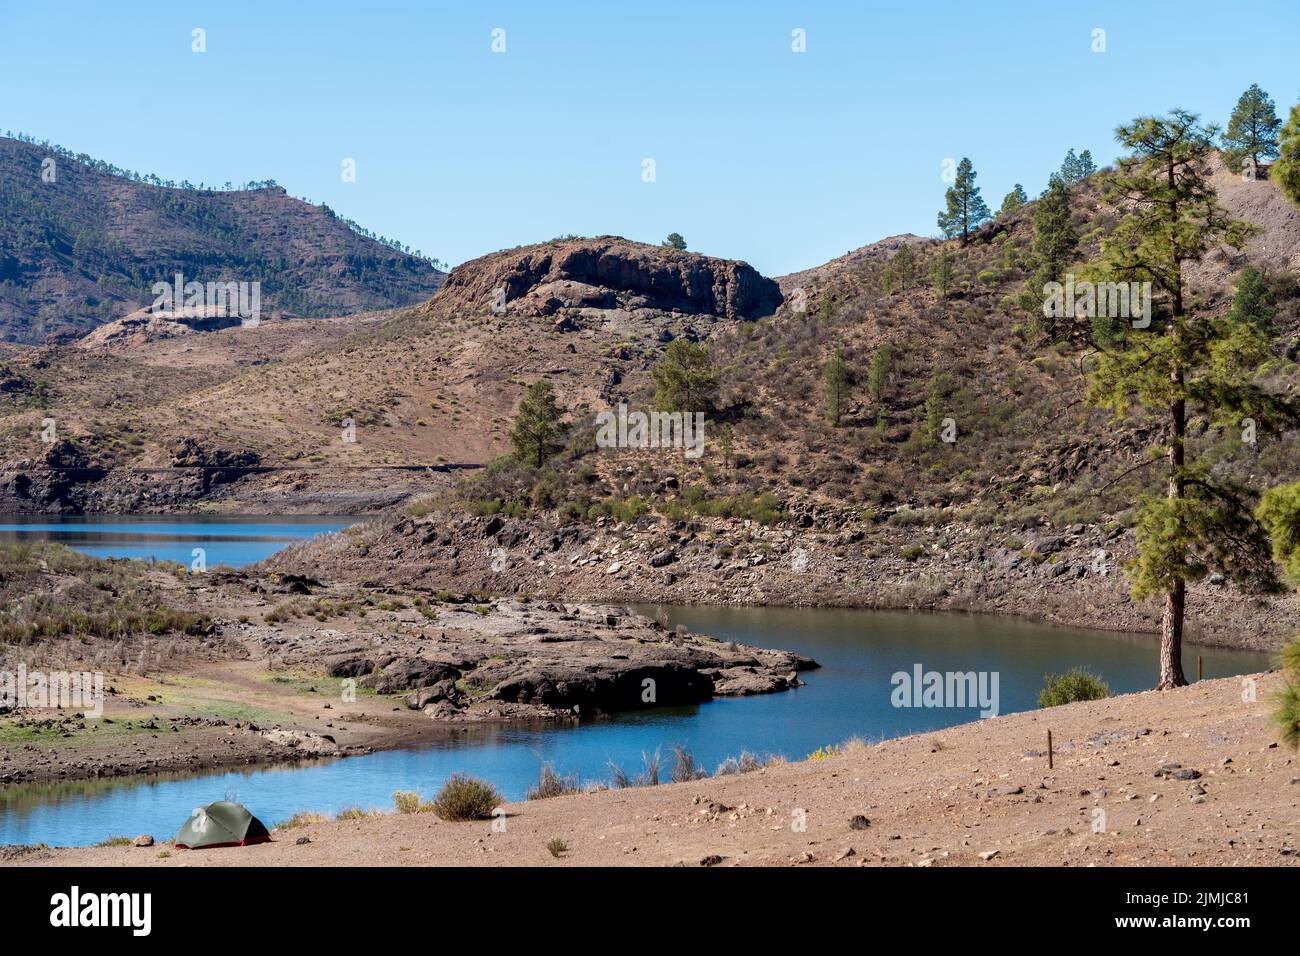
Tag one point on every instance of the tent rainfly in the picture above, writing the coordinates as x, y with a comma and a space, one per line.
221, 824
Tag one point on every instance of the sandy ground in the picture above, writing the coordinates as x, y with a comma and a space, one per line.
976, 795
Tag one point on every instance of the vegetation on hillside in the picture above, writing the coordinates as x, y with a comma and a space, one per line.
83, 242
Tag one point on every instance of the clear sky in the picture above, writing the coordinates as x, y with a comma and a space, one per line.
783, 159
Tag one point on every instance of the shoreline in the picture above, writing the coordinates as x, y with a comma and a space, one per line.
1190, 777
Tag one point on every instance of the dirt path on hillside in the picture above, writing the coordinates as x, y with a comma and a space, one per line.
1191, 777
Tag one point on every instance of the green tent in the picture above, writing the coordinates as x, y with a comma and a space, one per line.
221, 824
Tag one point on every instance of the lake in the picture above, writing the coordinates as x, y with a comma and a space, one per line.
230, 540
849, 696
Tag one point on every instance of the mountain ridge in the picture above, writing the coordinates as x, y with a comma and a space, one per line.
82, 244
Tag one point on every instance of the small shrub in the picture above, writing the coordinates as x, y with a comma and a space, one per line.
745, 763
825, 753
555, 846
408, 801
1074, 685
648, 777
354, 813
463, 797
116, 841
685, 769
551, 784
302, 819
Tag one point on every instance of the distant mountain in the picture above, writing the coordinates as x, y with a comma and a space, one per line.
82, 243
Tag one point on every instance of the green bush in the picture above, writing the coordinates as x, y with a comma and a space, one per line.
1286, 714
1074, 685
463, 797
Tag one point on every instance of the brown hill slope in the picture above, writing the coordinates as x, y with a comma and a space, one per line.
438, 384
434, 385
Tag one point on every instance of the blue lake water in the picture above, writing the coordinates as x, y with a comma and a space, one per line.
849, 696
230, 540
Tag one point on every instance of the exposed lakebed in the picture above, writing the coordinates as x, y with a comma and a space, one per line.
850, 695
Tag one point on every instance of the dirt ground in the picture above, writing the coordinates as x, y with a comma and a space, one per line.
1191, 777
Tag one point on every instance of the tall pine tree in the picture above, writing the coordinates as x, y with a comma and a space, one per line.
1252, 130
966, 209
1191, 363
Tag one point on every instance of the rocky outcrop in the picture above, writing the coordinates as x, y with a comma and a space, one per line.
514, 659
608, 273
144, 325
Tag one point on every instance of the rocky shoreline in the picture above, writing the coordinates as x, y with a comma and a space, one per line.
334, 670
1070, 576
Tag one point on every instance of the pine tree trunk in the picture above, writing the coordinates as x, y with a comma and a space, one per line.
1171, 626
1171, 639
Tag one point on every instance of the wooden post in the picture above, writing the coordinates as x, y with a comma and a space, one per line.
1198, 666
1049, 750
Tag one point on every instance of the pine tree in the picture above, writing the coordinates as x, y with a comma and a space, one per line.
684, 379
1252, 130
1055, 237
966, 209
1198, 362
537, 430
1254, 301
1070, 170
835, 378
1086, 166
878, 374
1286, 171
941, 273
1013, 201
1052, 249
900, 271
933, 416
674, 241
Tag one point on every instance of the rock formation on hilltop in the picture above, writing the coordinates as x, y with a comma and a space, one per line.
610, 273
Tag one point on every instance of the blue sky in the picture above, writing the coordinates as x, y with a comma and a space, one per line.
782, 159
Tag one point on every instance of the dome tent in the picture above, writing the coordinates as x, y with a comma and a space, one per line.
221, 824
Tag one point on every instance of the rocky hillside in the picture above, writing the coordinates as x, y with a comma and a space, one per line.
438, 385
1029, 510
434, 385
81, 245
